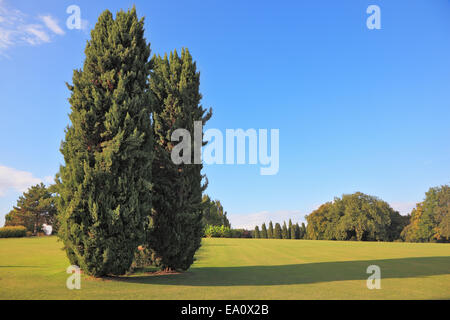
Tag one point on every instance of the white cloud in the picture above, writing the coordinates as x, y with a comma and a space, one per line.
17, 28
34, 34
249, 221
16, 180
52, 24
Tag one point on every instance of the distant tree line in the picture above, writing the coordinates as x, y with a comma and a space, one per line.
287, 231
366, 218
353, 217
361, 217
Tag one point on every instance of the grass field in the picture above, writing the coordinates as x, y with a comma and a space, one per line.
34, 268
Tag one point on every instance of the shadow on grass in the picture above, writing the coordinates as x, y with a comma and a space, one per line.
297, 273
20, 267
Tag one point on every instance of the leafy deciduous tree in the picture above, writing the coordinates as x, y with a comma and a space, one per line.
430, 219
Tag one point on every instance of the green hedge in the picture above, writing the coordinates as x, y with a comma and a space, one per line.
217, 232
13, 232
226, 232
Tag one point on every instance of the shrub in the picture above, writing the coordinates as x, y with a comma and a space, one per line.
13, 232
143, 258
241, 233
217, 232
226, 232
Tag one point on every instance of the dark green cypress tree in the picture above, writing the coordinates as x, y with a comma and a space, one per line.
284, 231
270, 234
291, 230
297, 231
176, 228
303, 231
277, 233
257, 234
105, 184
264, 231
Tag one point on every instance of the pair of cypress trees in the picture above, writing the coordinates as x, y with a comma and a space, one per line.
119, 188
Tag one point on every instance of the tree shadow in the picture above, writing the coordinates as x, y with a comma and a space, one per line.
297, 273
20, 266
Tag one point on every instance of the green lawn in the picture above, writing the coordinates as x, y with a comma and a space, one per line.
34, 268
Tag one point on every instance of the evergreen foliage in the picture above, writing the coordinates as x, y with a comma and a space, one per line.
270, 232
291, 230
213, 213
176, 228
294, 232
35, 207
277, 233
284, 231
257, 234
105, 183
302, 234
264, 234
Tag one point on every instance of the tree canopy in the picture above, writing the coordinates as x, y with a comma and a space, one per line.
34, 208
213, 213
430, 220
355, 217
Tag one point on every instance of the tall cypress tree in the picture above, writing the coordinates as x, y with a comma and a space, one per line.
284, 231
176, 228
297, 231
291, 230
277, 233
270, 234
303, 234
105, 184
264, 231
257, 233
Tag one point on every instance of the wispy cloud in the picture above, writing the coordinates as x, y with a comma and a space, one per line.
52, 24
16, 180
18, 28
34, 34
249, 221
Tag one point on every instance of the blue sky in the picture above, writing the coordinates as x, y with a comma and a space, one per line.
357, 109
